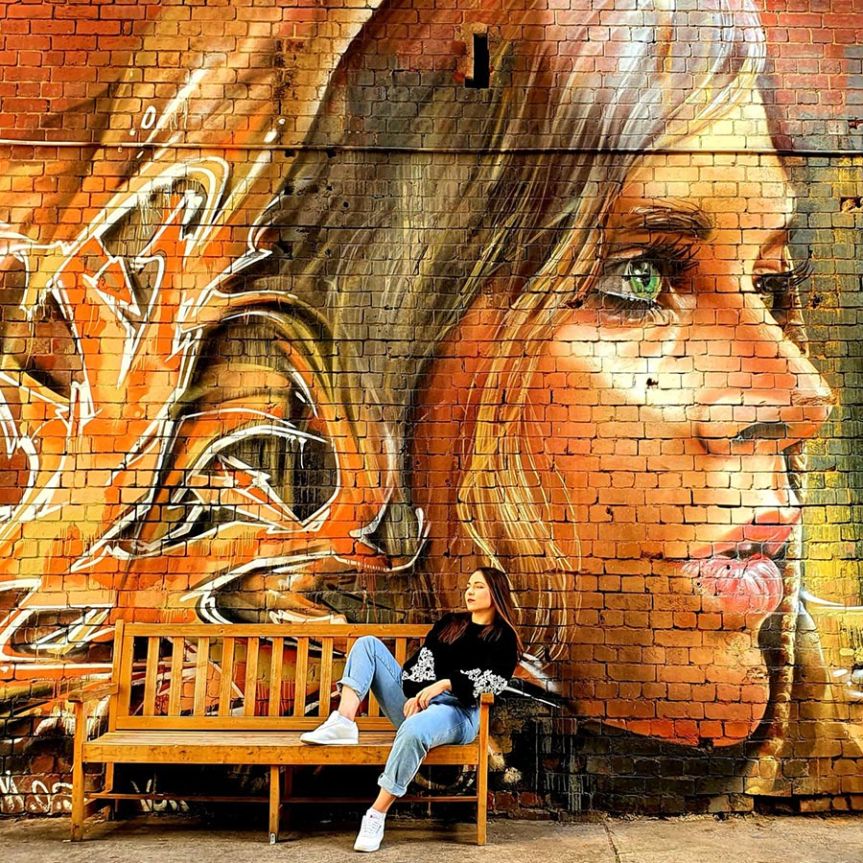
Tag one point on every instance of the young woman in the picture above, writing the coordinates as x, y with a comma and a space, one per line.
433, 700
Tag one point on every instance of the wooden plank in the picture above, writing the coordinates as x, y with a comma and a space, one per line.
116, 660
275, 753
158, 795
124, 693
374, 707
270, 630
202, 663
175, 686
226, 683
276, 660
301, 672
266, 732
151, 674
401, 651
326, 680
211, 723
251, 682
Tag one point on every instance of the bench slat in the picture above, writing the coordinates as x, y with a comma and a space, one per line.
301, 670
269, 630
326, 681
124, 689
226, 684
276, 661
374, 707
251, 682
401, 651
116, 676
201, 668
183, 724
151, 673
175, 685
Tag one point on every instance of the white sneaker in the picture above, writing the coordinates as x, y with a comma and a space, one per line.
337, 730
371, 833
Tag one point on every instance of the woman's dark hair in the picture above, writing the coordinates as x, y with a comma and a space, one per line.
501, 598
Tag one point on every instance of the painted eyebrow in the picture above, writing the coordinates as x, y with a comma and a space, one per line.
680, 219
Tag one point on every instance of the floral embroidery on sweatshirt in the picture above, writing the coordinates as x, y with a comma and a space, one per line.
423, 669
485, 681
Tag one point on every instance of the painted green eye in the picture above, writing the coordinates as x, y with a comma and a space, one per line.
644, 279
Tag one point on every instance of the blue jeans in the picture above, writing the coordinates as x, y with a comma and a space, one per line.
371, 666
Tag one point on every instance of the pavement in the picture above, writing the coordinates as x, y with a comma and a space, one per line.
705, 839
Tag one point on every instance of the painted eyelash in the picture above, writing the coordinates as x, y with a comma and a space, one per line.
779, 283
629, 308
672, 259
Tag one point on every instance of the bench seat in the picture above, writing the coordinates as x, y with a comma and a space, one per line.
252, 747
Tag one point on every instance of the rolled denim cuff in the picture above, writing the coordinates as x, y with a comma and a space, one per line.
350, 682
388, 785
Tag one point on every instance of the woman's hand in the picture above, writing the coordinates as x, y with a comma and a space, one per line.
424, 696
411, 707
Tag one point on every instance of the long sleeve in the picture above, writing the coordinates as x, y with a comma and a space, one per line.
488, 669
421, 669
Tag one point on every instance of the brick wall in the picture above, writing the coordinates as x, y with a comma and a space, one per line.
309, 309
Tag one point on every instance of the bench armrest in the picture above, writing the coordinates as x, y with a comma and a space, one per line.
91, 693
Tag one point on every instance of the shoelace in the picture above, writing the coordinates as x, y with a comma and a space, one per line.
370, 827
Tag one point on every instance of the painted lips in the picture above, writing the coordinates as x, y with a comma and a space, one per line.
742, 572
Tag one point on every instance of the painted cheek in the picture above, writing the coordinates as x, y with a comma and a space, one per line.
640, 365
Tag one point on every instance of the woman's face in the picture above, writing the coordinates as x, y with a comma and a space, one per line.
664, 401
477, 596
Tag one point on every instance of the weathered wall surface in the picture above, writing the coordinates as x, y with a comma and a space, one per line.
309, 308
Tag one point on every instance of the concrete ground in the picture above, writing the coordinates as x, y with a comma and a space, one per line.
169, 839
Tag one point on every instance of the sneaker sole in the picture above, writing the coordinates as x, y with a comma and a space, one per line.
330, 742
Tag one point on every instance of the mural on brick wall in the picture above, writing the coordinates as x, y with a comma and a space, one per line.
308, 312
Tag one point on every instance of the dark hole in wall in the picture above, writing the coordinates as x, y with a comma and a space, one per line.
481, 72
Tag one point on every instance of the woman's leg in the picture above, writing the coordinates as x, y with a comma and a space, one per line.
444, 721
371, 666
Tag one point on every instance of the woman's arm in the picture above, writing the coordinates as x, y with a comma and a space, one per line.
424, 696
488, 671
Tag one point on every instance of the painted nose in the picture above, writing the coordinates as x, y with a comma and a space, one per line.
397, 532
774, 398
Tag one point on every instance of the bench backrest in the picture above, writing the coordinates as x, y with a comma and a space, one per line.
239, 677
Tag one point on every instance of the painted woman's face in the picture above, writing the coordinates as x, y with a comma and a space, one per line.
665, 401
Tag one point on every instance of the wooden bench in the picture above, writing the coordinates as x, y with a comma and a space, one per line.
241, 695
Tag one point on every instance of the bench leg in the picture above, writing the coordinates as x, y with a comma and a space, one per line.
275, 805
77, 802
482, 777
77, 827
481, 803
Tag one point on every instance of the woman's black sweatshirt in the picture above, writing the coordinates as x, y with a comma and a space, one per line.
472, 664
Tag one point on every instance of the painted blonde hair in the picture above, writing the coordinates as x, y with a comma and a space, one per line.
406, 222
